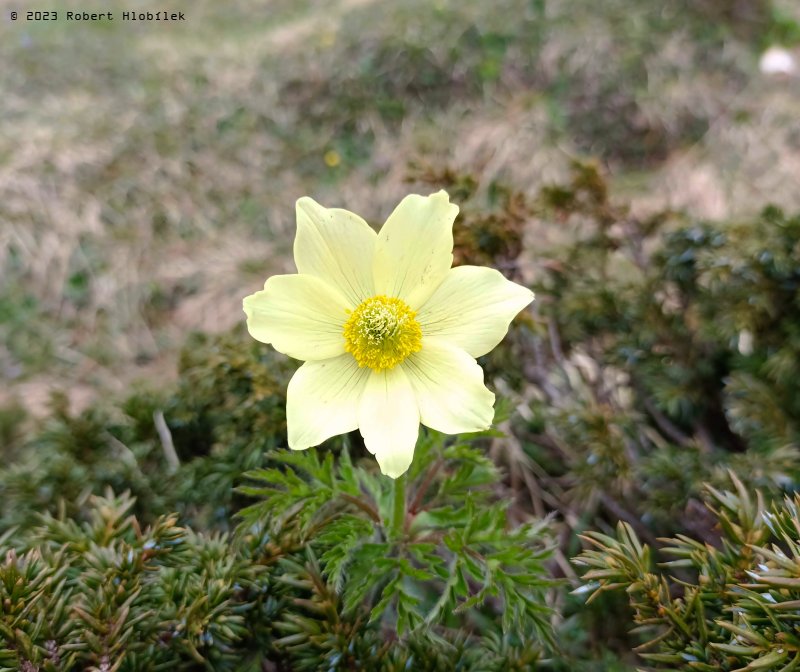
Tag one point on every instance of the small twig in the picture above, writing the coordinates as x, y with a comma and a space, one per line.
704, 439
615, 508
536, 369
519, 467
555, 341
167, 445
535, 493
552, 442
665, 425
553, 495
126, 453
637, 245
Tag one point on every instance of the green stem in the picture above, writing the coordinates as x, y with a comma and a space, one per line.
399, 513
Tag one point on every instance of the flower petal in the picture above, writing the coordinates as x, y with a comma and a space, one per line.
448, 385
323, 400
389, 420
414, 249
300, 315
336, 246
472, 308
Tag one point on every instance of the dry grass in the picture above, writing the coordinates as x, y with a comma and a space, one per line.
147, 173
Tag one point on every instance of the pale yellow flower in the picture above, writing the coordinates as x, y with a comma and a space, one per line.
388, 330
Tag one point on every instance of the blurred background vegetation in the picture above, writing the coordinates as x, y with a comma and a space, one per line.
628, 161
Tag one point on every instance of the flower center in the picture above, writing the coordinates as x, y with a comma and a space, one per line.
382, 332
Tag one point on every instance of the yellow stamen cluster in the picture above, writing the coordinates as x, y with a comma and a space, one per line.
382, 332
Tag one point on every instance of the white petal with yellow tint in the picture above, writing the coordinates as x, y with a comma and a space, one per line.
323, 400
336, 246
300, 315
448, 385
389, 420
472, 308
414, 249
